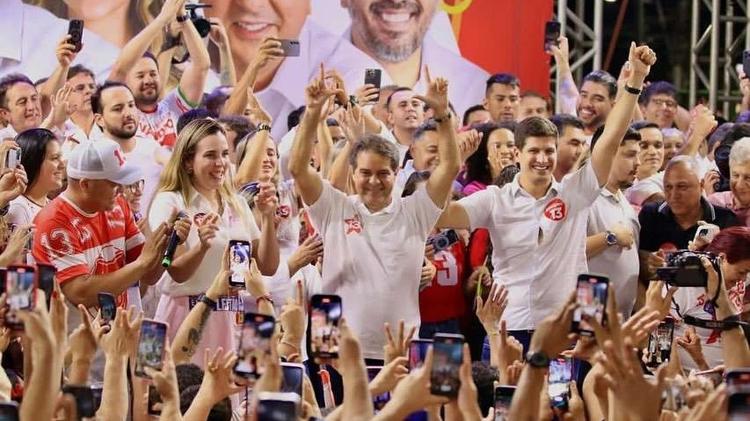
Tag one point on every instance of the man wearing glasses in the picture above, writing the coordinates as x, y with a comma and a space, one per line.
659, 105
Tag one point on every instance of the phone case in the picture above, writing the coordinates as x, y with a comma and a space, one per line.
75, 30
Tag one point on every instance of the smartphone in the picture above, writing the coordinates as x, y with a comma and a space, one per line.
3, 277
292, 379
447, 356
154, 398
9, 411
46, 279
560, 375
255, 343
325, 314
150, 347
12, 158
290, 47
240, 253
378, 401
107, 306
20, 287
84, 399
746, 62
739, 405
277, 406
591, 294
503, 399
417, 352
551, 34
373, 77
706, 233
96, 391
75, 30
737, 377
660, 343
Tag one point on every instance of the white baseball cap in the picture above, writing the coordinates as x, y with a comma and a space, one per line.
102, 159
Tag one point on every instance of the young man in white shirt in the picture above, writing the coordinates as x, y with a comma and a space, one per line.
538, 226
373, 243
613, 227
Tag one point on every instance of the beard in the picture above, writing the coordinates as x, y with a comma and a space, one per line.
122, 134
391, 49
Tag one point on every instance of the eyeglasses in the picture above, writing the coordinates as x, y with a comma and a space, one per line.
138, 185
664, 102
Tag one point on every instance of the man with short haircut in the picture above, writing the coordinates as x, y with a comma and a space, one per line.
476, 114
649, 185
533, 104
80, 125
140, 71
380, 109
571, 144
674, 141
659, 104
424, 153
20, 105
596, 99
374, 242
405, 114
613, 228
535, 223
117, 116
502, 97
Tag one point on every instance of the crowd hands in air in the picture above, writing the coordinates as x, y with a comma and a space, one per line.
374, 254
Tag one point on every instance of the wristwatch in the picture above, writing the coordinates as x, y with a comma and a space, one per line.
537, 359
632, 90
263, 126
611, 238
211, 304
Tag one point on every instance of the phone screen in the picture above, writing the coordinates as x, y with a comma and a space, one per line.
417, 352
84, 399
447, 351
154, 401
738, 377
592, 300
503, 399
660, 343
12, 158
324, 316
551, 34
19, 285
75, 30
96, 392
239, 262
276, 406
108, 307
292, 379
46, 275
560, 374
255, 343
746, 62
739, 406
150, 346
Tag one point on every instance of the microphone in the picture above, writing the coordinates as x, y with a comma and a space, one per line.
174, 240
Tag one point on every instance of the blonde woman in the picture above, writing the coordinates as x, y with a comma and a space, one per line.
197, 182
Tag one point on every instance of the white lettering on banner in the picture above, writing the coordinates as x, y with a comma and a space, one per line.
447, 269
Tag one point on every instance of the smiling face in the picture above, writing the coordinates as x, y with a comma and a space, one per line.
593, 105
143, 81
501, 150
118, 115
270, 160
537, 159
661, 109
390, 30
102, 194
735, 272
652, 151
739, 183
249, 22
210, 163
51, 172
373, 179
23, 108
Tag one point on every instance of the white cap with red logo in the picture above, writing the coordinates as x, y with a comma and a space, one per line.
102, 159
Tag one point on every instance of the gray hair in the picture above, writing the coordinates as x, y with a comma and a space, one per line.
672, 132
687, 161
378, 145
740, 152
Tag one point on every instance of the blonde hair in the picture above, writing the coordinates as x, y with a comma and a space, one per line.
175, 178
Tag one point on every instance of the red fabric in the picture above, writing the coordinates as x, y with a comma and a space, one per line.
443, 299
479, 245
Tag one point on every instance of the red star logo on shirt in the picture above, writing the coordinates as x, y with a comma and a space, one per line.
353, 225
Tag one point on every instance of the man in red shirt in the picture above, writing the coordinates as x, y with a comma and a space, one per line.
88, 232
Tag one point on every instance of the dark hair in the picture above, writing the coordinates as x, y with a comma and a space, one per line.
377, 144
657, 88
40, 81
467, 113
222, 411
237, 124
428, 126
534, 127
332, 122
216, 99
561, 121
643, 124
188, 374
502, 79
96, 98
7, 82
603, 77
191, 115
478, 164
79, 69
734, 242
507, 174
413, 182
719, 134
399, 89
484, 376
148, 54
533, 94
630, 134
33, 143
292, 120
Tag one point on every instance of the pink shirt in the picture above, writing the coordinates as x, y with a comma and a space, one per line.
726, 199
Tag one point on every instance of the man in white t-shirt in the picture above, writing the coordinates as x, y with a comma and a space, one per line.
116, 114
405, 114
649, 186
537, 225
373, 243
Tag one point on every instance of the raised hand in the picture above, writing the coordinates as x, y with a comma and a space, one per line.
641, 59
124, 333
389, 376
437, 94
65, 52
703, 121
153, 249
317, 93
13, 183
266, 200
491, 311
258, 114
170, 10
218, 34
218, 382
398, 347
468, 143
269, 49
207, 228
561, 52
656, 302
552, 334
367, 94
308, 252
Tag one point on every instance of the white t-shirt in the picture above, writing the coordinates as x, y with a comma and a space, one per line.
22, 211
643, 189
373, 260
161, 124
538, 245
617, 263
232, 226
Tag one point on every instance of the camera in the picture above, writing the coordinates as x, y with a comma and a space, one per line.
202, 25
685, 268
443, 241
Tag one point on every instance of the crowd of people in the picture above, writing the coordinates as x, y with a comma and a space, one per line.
421, 215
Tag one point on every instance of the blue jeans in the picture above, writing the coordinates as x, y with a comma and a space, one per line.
428, 330
523, 336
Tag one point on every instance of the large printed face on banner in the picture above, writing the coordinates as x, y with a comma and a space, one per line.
95, 9
389, 30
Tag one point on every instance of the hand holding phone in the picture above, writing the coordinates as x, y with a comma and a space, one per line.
551, 34
503, 400
255, 344
560, 375
13, 158
20, 289
107, 306
75, 30
291, 47
591, 295
373, 77
240, 253
150, 347
325, 314
447, 357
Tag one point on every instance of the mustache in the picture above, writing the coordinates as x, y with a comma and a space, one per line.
410, 6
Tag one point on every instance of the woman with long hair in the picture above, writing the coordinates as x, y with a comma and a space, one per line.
496, 151
196, 181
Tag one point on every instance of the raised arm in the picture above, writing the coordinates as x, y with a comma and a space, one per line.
135, 48
641, 59
308, 182
269, 49
65, 55
194, 77
701, 126
218, 36
568, 89
255, 149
